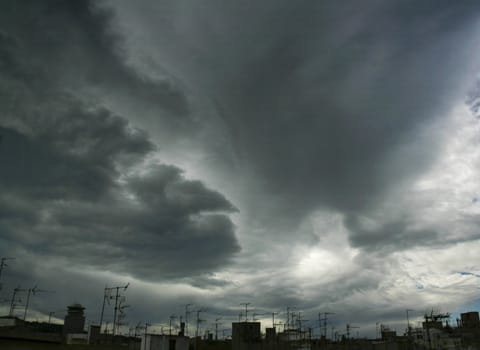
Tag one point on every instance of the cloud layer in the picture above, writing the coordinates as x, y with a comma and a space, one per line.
338, 133
77, 180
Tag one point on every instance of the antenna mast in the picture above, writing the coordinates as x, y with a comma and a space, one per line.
246, 310
2, 264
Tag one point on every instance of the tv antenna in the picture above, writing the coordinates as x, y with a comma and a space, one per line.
106, 299
13, 304
2, 265
33, 291
246, 310
187, 312
216, 327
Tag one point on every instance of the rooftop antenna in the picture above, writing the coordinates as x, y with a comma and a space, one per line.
273, 318
408, 322
198, 321
12, 303
431, 319
3, 264
324, 319
349, 327
216, 327
146, 328
137, 327
106, 298
187, 312
121, 313
288, 315
172, 317
33, 291
116, 309
246, 310
300, 320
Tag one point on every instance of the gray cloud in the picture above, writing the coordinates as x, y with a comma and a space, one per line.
72, 155
390, 236
320, 97
297, 108
71, 187
67, 186
71, 46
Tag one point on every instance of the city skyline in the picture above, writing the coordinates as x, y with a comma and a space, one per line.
317, 155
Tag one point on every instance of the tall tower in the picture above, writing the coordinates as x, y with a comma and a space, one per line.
75, 319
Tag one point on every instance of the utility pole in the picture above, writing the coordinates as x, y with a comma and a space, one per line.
246, 310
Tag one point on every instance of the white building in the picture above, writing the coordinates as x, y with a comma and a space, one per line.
164, 342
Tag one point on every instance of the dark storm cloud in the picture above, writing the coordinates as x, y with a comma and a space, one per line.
319, 97
67, 185
71, 155
320, 100
334, 109
70, 44
189, 197
70, 186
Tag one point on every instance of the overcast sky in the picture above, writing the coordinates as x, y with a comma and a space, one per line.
320, 155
